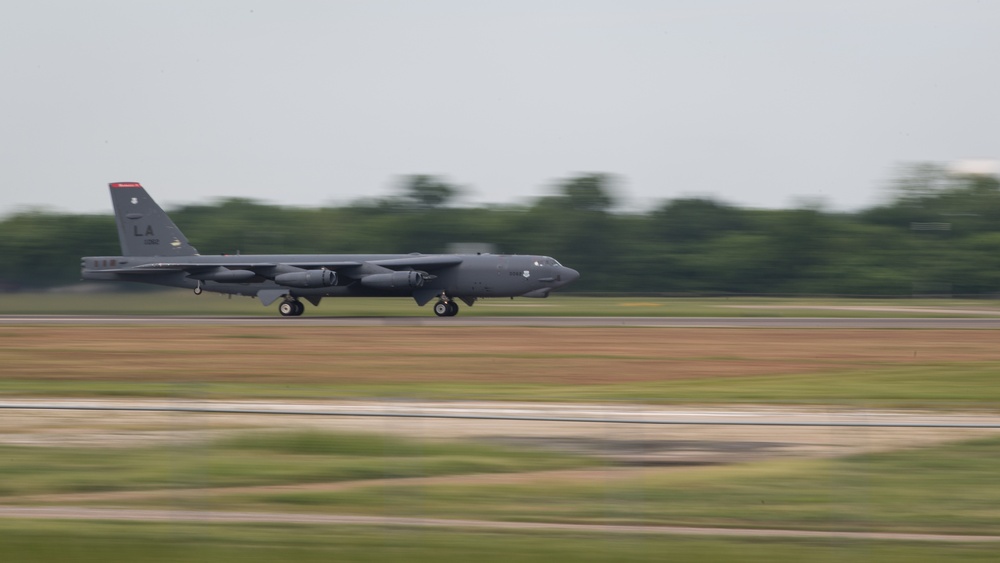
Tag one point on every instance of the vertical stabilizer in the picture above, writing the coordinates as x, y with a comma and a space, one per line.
143, 227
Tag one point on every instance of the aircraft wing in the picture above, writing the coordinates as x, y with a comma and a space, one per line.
161, 267
416, 262
349, 268
420, 262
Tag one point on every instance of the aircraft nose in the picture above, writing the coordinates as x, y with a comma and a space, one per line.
569, 275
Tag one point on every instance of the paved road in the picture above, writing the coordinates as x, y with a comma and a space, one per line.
628, 434
499, 411
664, 322
132, 515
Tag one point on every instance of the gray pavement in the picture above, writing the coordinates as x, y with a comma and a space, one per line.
663, 322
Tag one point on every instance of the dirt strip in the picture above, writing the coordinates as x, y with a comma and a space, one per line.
132, 515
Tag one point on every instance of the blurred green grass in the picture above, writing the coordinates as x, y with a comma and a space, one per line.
135, 542
950, 488
948, 386
258, 458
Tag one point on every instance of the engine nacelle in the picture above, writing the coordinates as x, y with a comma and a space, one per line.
394, 280
307, 278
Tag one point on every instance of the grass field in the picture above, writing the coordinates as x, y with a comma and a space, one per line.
941, 487
944, 489
926, 368
54, 542
951, 488
261, 458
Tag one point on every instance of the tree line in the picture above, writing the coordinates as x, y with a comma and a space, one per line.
938, 234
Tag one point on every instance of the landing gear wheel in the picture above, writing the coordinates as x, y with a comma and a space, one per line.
197, 290
291, 308
441, 309
446, 308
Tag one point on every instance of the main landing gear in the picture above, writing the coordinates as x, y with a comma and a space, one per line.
291, 308
446, 308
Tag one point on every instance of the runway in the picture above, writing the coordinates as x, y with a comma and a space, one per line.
630, 433
501, 411
493, 321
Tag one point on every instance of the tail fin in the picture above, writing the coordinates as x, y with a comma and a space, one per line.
144, 229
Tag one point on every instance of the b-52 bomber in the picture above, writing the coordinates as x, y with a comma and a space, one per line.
155, 251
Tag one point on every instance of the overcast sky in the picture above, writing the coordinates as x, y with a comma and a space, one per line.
755, 103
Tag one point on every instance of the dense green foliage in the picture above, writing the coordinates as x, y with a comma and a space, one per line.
940, 234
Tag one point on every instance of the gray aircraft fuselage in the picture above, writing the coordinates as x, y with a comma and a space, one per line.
476, 275
154, 251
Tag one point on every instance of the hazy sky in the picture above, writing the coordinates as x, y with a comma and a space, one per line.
757, 103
